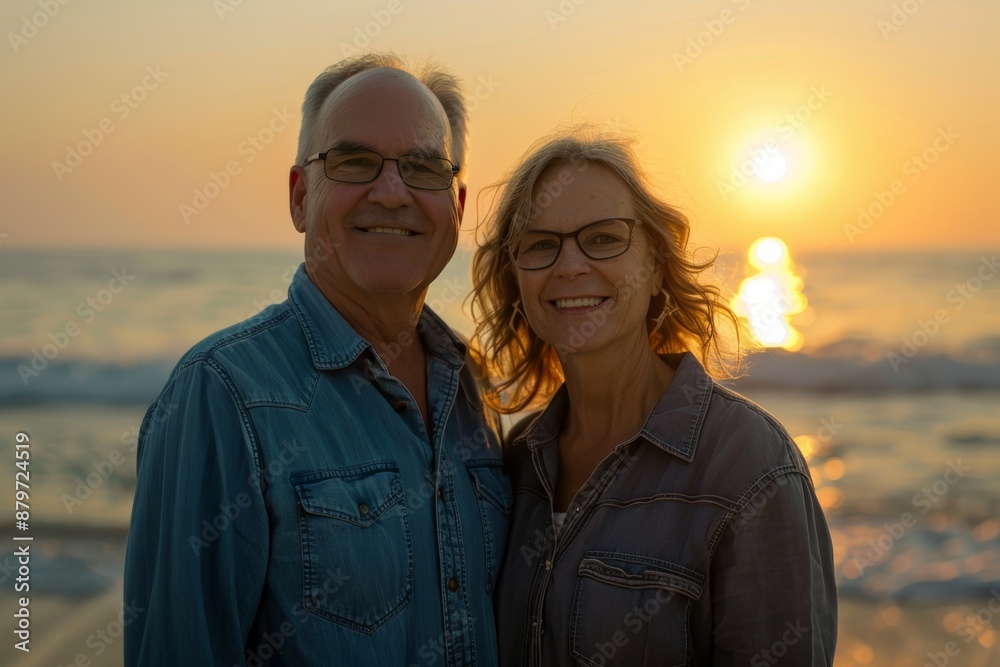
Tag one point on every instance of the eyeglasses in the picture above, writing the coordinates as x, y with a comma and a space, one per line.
604, 239
417, 171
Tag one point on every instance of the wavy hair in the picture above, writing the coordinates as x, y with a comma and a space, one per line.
526, 369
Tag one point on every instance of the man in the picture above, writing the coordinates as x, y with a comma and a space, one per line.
319, 485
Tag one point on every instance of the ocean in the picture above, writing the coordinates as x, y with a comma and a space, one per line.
894, 396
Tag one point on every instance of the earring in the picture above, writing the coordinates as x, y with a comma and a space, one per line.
515, 311
667, 311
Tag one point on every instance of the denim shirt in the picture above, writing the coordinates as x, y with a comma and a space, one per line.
292, 509
699, 541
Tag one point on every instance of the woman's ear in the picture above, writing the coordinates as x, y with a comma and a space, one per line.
657, 278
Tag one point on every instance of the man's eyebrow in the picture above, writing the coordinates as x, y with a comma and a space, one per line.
428, 152
348, 146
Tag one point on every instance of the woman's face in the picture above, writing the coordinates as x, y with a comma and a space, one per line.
579, 304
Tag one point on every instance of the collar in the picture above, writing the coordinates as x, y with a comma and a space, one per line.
673, 425
334, 344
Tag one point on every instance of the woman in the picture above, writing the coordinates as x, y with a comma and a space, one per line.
659, 518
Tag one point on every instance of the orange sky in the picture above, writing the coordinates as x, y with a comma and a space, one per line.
846, 95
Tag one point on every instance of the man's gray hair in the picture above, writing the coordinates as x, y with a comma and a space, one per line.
447, 88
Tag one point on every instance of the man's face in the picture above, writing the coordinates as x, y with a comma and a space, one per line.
383, 236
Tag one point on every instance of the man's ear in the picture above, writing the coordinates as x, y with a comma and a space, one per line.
297, 186
462, 191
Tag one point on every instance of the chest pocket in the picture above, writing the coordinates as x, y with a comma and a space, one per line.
494, 496
357, 557
632, 610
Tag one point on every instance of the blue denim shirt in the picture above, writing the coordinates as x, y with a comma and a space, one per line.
292, 509
700, 541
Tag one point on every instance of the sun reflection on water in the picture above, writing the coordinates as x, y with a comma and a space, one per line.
770, 297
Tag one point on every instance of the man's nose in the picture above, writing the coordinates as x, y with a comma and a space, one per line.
388, 189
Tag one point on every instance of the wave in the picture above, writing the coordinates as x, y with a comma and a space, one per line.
81, 381
89, 381
855, 373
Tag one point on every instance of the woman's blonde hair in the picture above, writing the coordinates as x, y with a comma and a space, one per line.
527, 369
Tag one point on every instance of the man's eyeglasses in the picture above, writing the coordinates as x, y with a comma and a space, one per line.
417, 171
603, 239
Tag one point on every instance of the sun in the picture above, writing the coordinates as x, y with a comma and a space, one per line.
769, 165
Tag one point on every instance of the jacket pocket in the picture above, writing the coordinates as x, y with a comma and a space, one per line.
494, 499
632, 610
357, 557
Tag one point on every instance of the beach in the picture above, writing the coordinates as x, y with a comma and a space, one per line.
905, 459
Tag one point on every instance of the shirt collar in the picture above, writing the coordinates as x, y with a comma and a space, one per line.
673, 425
334, 344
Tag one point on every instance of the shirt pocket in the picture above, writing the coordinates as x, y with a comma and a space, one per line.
357, 556
632, 610
494, 499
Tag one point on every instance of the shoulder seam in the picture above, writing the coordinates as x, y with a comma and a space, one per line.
234, 337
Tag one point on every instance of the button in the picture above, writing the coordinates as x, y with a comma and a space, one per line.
453, 584
363, 508
440, 494
400, 406
548, 565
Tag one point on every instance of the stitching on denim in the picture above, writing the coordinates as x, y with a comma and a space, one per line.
719, 501
248, 424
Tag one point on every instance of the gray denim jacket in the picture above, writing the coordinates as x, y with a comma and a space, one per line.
700, 541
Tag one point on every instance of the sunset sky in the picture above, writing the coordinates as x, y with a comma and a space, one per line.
117, 113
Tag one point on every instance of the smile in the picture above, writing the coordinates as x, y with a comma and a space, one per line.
388, 230
581, 302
